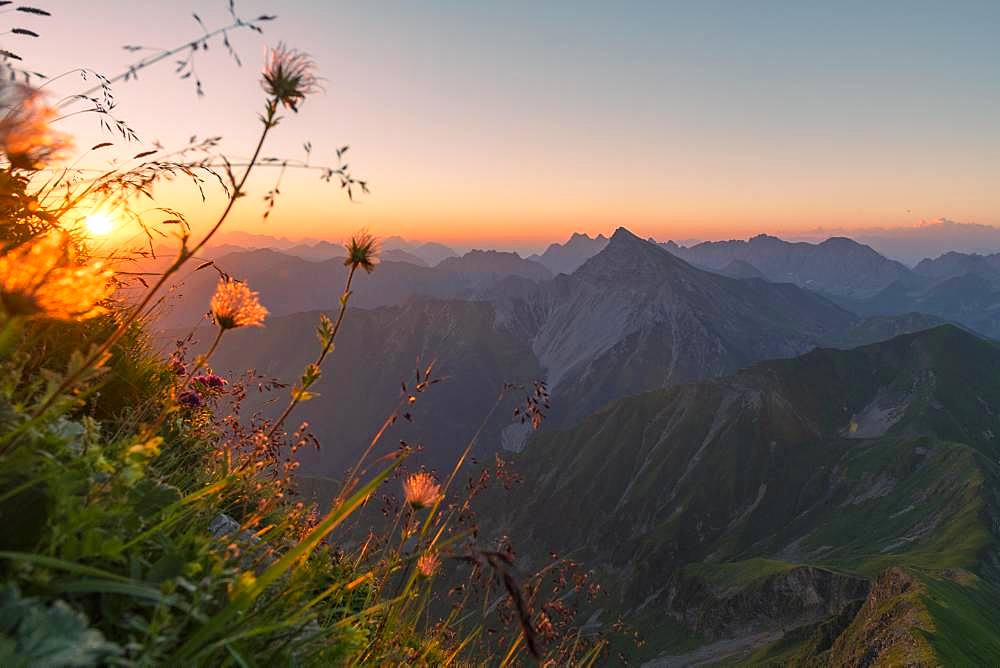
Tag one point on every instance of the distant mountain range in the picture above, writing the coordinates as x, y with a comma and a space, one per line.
633, 318
567, 258
495, 264
971, 299
394, 249
768, 514
836, 266
906, 244
955, 287
325, 250
910, 244
430, 253
290, 284
952, 265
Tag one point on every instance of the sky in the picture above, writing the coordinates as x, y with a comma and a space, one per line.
513, 124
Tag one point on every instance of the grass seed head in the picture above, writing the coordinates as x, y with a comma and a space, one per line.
234, 305
289, 76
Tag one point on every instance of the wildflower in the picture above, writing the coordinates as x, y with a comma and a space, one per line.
26, 136
236, 305
421, 491
428, 564
210, 381
288, 76
43, 278
190, 399
177, 366
362, 252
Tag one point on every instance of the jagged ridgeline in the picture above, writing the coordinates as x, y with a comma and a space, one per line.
838, 508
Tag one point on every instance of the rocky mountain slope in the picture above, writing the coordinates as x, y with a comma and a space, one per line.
760, 512
635, 317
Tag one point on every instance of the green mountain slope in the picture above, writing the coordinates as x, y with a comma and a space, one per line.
769, 501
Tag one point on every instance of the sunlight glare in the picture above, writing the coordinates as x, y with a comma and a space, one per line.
98, 224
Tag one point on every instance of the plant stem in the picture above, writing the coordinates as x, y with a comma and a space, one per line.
67, 383
152, 60
8, 332
327, 347
202, 360
169, 405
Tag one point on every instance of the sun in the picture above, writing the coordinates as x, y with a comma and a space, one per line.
99, 224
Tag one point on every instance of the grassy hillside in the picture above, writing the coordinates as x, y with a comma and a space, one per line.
757, 503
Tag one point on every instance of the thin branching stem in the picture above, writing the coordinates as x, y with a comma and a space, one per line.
270, 120
132, 69
327, 347
202, 360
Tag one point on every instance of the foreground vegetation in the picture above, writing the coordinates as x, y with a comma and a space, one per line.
146, 520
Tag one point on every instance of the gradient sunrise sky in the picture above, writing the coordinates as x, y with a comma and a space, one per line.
517, 123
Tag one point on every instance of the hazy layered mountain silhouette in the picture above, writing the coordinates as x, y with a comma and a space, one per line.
567, 257
837, 266
325, 250
952, 265
773, 501
290, 284
394, 248
971, 299
378, 350
632, 318
911, 244
430, 252
495, 264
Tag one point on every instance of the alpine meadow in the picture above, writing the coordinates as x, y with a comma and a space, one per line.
499, 334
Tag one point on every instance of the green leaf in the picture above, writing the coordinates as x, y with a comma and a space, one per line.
298, 394
152, 496
54, 635
130, 589
62, 565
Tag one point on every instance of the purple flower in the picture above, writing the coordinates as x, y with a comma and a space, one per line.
177, 366
190, 399
210, 381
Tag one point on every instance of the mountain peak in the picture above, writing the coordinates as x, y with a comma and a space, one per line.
623, 235
628, 258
